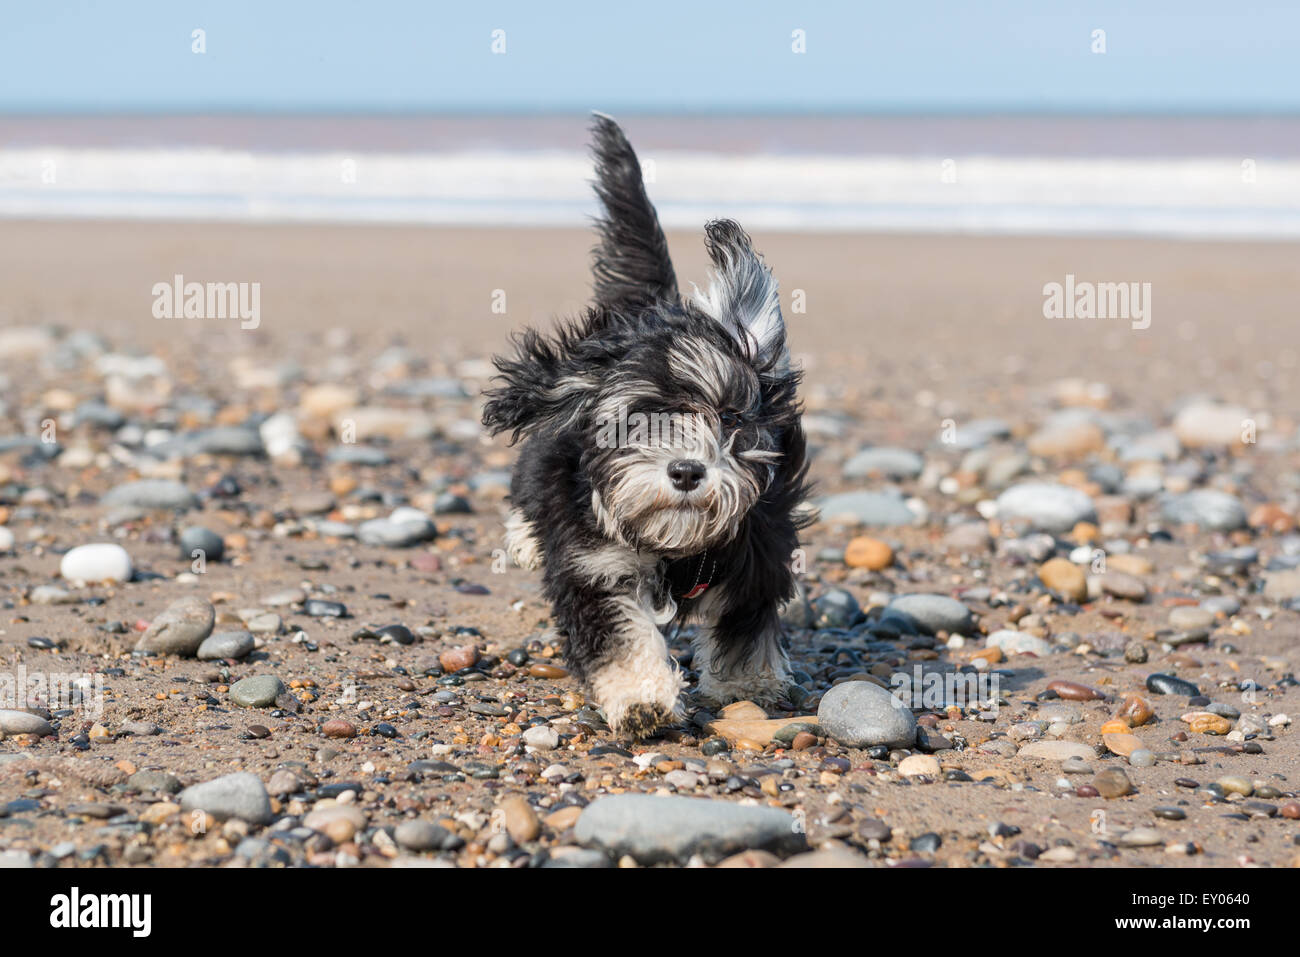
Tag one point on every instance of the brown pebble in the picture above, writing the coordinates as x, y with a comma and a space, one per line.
338, 728
520, 819
1112, 783
1073, 691
457, 659
1136, 709
547, 671
564, 818
1290, 810
803, 741
869, 553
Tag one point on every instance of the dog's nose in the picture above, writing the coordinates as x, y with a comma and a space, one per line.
686, 474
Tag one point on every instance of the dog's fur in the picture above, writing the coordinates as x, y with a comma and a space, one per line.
624, 551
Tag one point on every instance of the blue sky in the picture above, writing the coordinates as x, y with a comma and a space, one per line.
632, 55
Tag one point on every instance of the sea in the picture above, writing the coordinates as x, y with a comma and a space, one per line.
1193, 177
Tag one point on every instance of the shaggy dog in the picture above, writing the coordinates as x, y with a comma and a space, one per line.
662, 465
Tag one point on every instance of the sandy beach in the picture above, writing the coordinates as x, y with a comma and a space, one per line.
906, 340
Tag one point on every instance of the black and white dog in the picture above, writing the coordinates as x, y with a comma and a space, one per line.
663, 463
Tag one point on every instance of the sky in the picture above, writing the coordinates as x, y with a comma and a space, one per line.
1188, 56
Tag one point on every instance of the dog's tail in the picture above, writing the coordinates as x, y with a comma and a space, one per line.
631, 266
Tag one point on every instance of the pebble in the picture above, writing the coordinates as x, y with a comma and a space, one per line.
151, 494
1062, 575
338, 728
1235, 784
1013, 642
932, 612
1122, 585
542, 738
258, 691
884, 461
1047, 506
915, 765
180, 629
97, 563
521, 821
1200, 425
202, 540
835, 608
420, 835
868, 553
1141, 837
1058, 751
20, 722
1112, 783
859, 714
1208, 508
867, 508
226, 644
1073, 691
656, 830
1168, 684
240, 795
403, 528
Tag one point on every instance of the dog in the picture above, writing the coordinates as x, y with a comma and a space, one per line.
634, 530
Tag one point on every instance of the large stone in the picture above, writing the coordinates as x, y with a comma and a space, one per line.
20, 722
240, 795
860, 714
656, 830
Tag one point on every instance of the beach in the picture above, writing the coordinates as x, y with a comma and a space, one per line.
933, 378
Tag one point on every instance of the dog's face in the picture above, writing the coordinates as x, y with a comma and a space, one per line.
679, 436
679, 408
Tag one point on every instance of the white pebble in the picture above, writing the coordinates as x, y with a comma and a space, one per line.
96, 563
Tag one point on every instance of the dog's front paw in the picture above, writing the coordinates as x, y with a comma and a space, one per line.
638, 701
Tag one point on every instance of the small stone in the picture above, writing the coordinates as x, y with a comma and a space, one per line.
542, 738
259, 691
180, 629
1058, 750
226, 644
1208, 508
1112, 783
521, 820
151, 494
419, 835
457, 659
869, 553
1062, 575
1204, 722
97, 563
201, 543
1168, 684
1121, 744
1141, 837
1046, 506
932, 612
338, 728
1124, 586
1234, 784
916, 765
1073, 691
1170, 813
1136, 710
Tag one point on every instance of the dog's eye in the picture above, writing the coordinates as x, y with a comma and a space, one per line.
731, 419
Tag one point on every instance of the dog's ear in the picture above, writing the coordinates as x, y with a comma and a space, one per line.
743, 295
631, 266
542, 387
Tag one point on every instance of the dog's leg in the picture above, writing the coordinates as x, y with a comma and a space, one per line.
521, 541
738, 652
602, 602
633, 678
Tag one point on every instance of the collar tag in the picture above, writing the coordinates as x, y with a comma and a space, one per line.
697, 591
